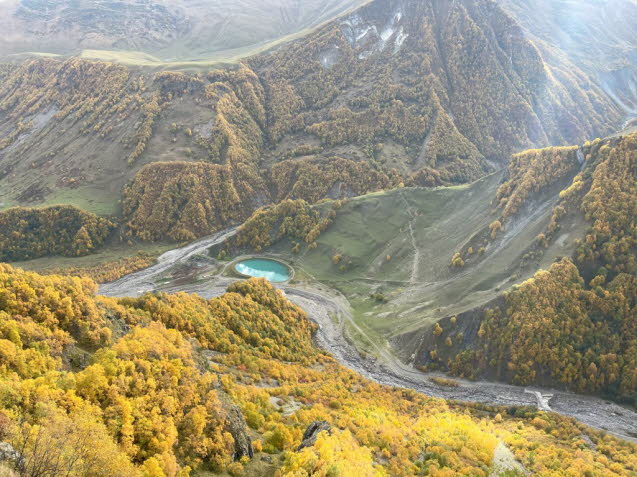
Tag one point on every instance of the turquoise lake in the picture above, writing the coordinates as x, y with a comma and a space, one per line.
263, 268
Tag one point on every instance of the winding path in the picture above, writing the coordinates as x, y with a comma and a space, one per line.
331, 311
412, 237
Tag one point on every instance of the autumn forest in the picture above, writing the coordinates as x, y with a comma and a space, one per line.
451, 186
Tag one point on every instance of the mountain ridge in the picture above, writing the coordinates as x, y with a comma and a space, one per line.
371, 73
159, 31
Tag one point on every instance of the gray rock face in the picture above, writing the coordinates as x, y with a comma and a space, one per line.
236, 426
312, 432
9, 454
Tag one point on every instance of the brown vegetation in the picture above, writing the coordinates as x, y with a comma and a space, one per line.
531, 172
290, 219
108, 271
183, 201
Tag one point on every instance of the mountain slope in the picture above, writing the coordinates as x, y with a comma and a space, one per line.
158, 30
441, 93
461, 79
564, 28
175, 385
573, 324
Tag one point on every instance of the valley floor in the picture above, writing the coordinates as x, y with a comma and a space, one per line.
190, 270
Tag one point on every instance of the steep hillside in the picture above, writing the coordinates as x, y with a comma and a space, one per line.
175, 385
68, 130
573, 324
564, 28
440, 85
407, 92
53, 112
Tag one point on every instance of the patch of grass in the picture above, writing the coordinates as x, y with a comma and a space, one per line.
90, 199
7, 204
440, 381
110, 253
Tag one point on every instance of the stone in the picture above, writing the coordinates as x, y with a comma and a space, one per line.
236, 426
8, 453
311, 433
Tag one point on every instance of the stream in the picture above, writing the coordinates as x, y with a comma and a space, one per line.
190, 269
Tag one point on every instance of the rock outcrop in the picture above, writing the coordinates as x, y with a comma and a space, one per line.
311, 433
9, 454
236, 425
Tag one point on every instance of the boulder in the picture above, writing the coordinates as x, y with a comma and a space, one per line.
312, 432
9, 454
236, 425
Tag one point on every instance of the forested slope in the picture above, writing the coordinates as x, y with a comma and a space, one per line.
573, 324
400, 91
59, 230
449, 83
171, 385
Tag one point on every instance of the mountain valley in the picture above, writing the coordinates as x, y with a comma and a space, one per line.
450, 185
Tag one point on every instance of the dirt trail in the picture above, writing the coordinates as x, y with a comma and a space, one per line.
412, 237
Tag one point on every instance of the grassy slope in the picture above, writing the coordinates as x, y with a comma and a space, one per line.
369, 228
109, 253
219, 33
101, 162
